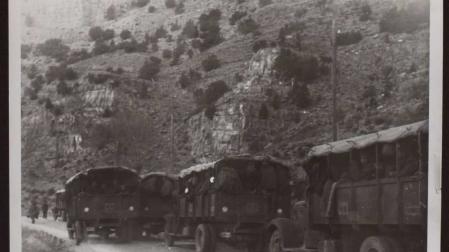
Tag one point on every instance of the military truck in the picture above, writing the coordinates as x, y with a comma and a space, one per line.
367, 194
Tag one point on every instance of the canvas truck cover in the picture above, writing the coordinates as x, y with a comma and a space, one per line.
159, 183
360, 142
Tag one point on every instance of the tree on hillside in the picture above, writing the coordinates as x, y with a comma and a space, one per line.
179, 8
149, 70
190, 30
96, 33
125, 34
170, 4
110, 13
53, 48
210, 29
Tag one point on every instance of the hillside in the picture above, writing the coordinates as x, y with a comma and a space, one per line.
268, 92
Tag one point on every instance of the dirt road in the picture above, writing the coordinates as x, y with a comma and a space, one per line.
97, 244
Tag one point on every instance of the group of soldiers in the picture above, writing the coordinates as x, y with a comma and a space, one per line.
33, 212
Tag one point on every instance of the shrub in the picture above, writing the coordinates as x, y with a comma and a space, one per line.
210, 63
160, 32
108, 34
125, 34
179, 8
166, 54
115, 83
31, 93
178, 51
25, 51
96, 33
151, 9
263, 3
175, 27
100, 47
259, 44
170, 4
70, 74
140, 3
54, 73
132, 46
236, 16
149, 70
209, 112
154, 47
299, 13
110, 13
348, 38
365, 12
97, 78
196, 43
405, 20
238, 77
63, 89
214, 91
369, 96
37, 83
247, 26
190, 53
290, 65
32, 71
76, 56
156, 60
184, 80
190, 30
210, 29
53, 48
300, 96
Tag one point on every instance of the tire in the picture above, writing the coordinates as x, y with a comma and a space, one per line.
275, 243
169, 239
376, 244
79, 232
205, 238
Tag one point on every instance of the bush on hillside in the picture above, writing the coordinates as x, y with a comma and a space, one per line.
365, 12
108, 34
149, 70
369, 96
196, 43
170, 4
53, 48
247, 25
187, 79
190, 53
140, 3
405, 20
263, 3
178, 51
299, 13
210, 63
179, 8
96, 33
55, 73
259, 44
30, 93
125, 34
166, 54
290, 65
100, 47
78, 55
348, 38
63, 89
210, 29
151, 9
98, 78
25, 51
70, 74
190, 30
175, 27
213, 92
236, 16
263, 112
37, 83
300, 96
110, 13
132, 46
32, 71
210, 111
160, 32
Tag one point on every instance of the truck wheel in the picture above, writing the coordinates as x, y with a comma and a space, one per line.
79, 232
64, 216
376, 244
169, 239
205, 240
275, 244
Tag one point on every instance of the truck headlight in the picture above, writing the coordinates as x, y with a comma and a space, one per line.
146, 208
224, 209
131, 208
86, 209
279, 211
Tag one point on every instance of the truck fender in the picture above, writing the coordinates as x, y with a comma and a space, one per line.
292, 235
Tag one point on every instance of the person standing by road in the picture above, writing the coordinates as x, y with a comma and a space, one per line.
33, 212
44, 207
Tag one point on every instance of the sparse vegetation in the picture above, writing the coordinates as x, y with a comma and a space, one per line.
166, 54
175, 27
236, 16
110, 13
53, 48
55, 73
78, 55
150, 69
100, 47
190, 30
151, 9
214, 91
210, 29
299, 13
179, 9
263, 112
160, 32
259, 44
405, 20
132, 46
187, 79
98, 78
365, 12
140, 3
301, 67
37, 83
210, 111
247, 25
263, 3
125, 34
348, 38
32, 71
170, 4
300, 95
63, 89
210, 63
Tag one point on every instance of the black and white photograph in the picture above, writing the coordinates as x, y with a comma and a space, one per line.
227, 125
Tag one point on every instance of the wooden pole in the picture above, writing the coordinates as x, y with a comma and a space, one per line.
334, 80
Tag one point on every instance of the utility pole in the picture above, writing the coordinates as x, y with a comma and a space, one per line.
334, 75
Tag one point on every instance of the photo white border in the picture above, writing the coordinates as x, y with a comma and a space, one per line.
435, 125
